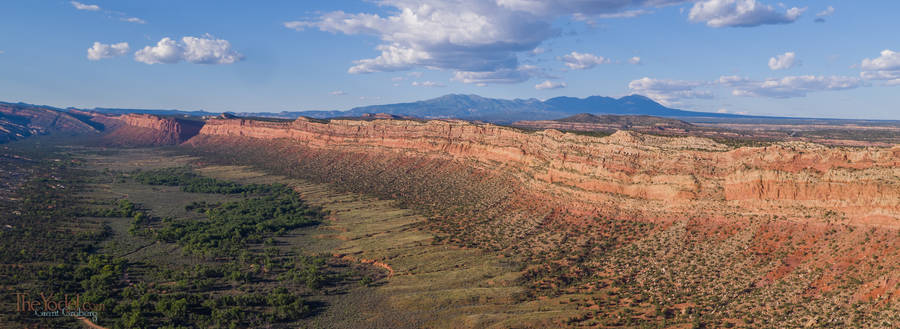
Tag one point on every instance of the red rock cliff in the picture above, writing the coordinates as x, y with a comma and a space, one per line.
627, 174
147, 130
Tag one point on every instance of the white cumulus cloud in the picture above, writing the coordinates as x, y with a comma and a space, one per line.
888, 61
478, 40
338, 93
463, 35
82, 6
668, 92
504, 76
783, 61
547, 84
635, 60
740, 13
885, 67
166, 51
209, 51
582, 61
789, 87
393, 58
205, 50
101, 50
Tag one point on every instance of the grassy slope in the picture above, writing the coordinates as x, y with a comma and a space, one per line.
434, 284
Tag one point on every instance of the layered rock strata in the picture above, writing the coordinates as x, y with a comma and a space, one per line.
635, 175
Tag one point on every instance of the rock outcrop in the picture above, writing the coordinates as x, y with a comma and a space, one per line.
148, 130
626, 173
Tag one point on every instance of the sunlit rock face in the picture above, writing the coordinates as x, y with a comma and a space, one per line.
625, 174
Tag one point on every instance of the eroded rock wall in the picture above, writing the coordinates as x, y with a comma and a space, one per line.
626, 173
148, 130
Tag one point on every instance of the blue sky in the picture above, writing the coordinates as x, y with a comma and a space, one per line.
791, 58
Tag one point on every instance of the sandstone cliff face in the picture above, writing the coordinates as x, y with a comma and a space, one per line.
148, 130
625, 174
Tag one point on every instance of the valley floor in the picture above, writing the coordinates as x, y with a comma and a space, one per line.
383, 264
420, 282
430, 284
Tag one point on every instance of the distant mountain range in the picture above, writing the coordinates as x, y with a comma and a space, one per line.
197, 113
504, 111
474, 107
